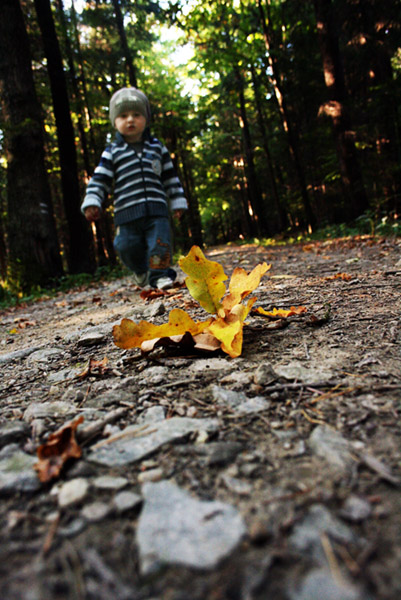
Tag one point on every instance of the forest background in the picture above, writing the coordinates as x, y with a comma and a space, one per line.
282, 117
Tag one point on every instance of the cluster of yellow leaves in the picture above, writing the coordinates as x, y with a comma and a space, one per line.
205, 283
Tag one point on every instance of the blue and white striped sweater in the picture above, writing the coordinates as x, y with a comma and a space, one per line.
143, 186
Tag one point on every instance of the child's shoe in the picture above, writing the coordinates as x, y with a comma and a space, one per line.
164, 282
140, 279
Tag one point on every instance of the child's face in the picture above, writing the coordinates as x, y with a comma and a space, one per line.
131, 124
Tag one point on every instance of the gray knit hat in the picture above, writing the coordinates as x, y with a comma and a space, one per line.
129, 99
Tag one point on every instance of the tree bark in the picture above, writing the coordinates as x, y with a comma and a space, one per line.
80, 251
336, 108
124, 44
292, 135
34, 256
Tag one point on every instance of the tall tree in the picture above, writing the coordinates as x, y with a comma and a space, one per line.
34, 256
80, 252
124, 44
337, 109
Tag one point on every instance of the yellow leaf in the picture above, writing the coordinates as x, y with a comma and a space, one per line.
279, 313
228, 330
205, 279
242, 284
131, 335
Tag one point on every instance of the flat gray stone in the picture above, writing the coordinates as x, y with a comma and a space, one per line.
72, 492
92, 338
12, 431
320, 584
307, 535
42, 410
108, 482
175, 528
17, 355
238, 401
124, 501
45, 354
138, 441
17, 473
95, 512
152, 414
330, 445
64, 375
212, 364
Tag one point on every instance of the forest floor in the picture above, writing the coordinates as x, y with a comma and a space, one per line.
275, 475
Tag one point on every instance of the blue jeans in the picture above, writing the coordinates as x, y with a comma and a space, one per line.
145, 245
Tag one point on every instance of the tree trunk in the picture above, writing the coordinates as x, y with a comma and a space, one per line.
34, 256
80, 250
281, 214
336, 108
124, 44
255, 199
292, 135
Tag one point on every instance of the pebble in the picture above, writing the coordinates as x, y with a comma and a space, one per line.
175, 528
92, 338
151, 475
151, 414
45, 354
330, 445
264, 374
319, 584
355, 509
13, 431
73, 492
16, 471
139, 441
124, 501
107, 482
96, 511
43, 410
238, 401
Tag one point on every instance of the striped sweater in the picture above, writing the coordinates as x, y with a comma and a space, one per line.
145, 185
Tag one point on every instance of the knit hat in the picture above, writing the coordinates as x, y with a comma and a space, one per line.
129, 99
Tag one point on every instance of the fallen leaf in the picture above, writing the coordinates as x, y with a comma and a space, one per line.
242, 284
131, 335
279, 313
186, 342
229, 330
205, 279
94, 367
59, 447
343, 276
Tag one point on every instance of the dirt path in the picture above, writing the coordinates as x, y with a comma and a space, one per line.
273, 475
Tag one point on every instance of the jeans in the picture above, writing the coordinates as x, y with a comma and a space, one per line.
145, 245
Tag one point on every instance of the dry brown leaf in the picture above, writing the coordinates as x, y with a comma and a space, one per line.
60, 447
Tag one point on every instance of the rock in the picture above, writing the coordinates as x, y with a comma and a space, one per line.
175, 528
238, 401
107, 482
13, 431
219, 453
73, 492
138, 441
320, 584
152, 414
297, 371
17, 473
126, 501
96, 511
155, 309
238, 486
330, 445
264, 374
17, 355
156, 375
212, 364
151, 475
64, 375
92, 338
43, 410
307, 535
355, 509
45, 354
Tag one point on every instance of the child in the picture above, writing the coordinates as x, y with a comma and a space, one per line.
145, 184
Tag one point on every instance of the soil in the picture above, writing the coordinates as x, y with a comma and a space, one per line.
334, 368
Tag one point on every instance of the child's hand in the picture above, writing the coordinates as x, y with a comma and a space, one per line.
92, 213
178, 213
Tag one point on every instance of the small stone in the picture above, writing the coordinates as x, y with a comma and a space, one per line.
151, 475
355, 509
126, 501
97, 511
152, 414
155, 309
319, 584
16, 471
73, 492
238, 486
175, 528
43, 410
45, 355
92, 338
333, 447
12, 432
265, 374
107, 482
